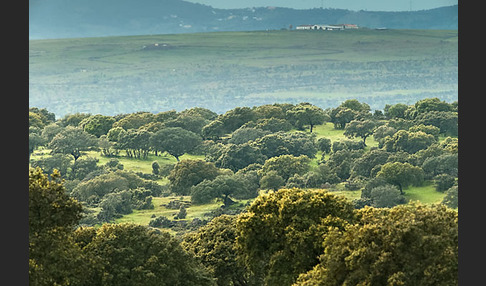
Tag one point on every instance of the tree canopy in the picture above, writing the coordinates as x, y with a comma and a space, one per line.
175, 140
133, 254
188, 173
72, 141
54, 258
281, 235
406, 245
306, 114
214, 245
401, 174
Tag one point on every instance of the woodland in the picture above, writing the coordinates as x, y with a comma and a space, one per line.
286, 194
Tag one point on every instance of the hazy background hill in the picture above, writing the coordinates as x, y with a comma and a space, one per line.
220, 71
95, 18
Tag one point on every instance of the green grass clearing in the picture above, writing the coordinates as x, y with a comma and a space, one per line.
142, 165
426, 194
350, 195
144, 216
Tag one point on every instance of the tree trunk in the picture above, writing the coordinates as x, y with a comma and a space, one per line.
225, 201
76, 154
401, 190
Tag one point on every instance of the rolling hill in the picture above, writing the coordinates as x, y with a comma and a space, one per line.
219, 71
93, 18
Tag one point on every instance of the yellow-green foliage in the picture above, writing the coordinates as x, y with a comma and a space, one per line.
214, 245
281, 235
410, 244
54, 259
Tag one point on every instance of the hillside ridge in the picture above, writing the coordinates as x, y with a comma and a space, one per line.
90, 18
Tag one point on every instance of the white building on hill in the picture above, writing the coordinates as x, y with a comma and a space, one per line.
327, 27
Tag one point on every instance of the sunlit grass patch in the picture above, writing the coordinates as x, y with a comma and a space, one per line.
426, 194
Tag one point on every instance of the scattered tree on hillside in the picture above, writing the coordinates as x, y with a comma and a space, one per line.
72, 141
286, 166
135, 142
451, 199
213, 130
360, 128
341, 116
446, 121
364, 165
188, 121
246, 134
223, 187
134, 120
82, 167
395, 110
386, 196
347, 111
93, 190
431, 104
441, 164
306, 114
40, 117
115, 133
324, 145
60, 162
271, 180
73, 119
281, 143
35, 139
401, 174
239, 156
236, 117
175, 141
155, 168
97, 125
291, 233
188, 173
341, 162
268, 111
410, 142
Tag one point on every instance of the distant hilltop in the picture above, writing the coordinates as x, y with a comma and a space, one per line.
94, 18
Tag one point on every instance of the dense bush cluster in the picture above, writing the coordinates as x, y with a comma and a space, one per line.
288, 237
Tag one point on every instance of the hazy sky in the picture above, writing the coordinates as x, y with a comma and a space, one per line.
370, 5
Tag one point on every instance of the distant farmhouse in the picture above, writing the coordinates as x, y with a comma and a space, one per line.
327, 27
